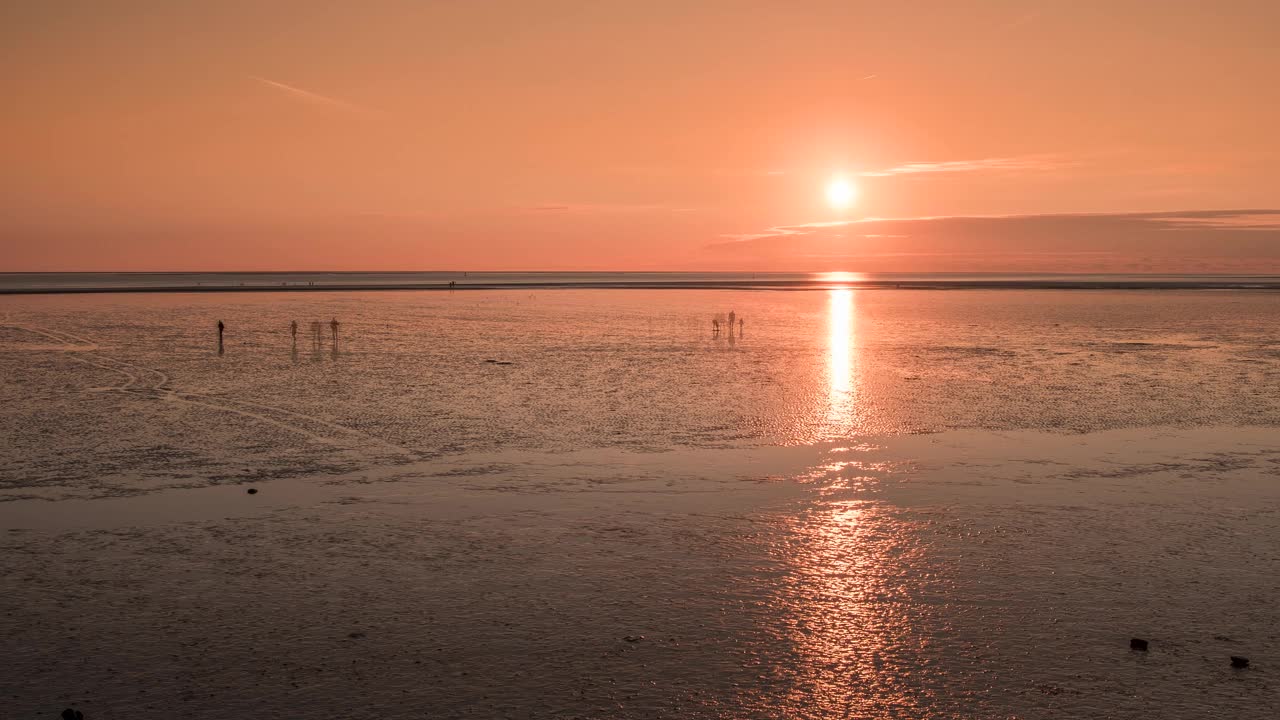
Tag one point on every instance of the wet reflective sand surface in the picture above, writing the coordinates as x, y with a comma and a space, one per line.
864, 504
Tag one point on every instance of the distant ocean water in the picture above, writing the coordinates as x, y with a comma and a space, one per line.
22, 283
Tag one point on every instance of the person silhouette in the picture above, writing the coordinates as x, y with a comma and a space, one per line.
333, 325
732, 315
221, 327
293, 330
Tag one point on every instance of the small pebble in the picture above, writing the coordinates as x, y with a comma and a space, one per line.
252, 491
1239, 662
1138, 644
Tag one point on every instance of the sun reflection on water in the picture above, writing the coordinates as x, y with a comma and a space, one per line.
843, 598
839, 279
843, 614
843, 414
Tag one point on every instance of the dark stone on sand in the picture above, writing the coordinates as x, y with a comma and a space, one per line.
1137, 644
355, 635
252, 491
1239, 662
633, 638
70, 714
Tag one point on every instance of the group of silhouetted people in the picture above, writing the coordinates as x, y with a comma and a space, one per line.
718, 322
316, 338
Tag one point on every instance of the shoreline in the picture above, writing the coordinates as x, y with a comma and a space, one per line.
780, 285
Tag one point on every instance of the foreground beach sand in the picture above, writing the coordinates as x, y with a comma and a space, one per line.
958, 575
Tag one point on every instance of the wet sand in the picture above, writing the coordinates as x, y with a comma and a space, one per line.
965, 574
868, 506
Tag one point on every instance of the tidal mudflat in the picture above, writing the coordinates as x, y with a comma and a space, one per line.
862, 504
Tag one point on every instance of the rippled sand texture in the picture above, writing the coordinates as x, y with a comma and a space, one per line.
635, 519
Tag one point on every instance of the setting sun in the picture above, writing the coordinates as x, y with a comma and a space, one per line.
841, 193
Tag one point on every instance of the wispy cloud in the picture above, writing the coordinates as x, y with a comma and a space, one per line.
1185, 222
1263, 219
1020, 20
309, 97
1238, 240
580, 208
783, 230
1001, 164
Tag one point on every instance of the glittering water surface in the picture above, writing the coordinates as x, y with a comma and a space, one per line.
576, 503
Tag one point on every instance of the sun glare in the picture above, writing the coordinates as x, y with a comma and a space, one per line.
841, 193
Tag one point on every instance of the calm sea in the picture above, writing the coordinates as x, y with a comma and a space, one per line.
153, 282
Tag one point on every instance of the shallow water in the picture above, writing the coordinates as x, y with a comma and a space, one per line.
865, 504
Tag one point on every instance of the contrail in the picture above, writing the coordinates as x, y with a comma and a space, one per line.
310, 97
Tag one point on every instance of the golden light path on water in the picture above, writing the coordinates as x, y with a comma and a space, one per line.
843, 602
841, 341
842, 398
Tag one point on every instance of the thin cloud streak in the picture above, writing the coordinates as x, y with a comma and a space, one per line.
1238, 241
782, 230
1021, 20
309, 97
1005, 164
1242, 220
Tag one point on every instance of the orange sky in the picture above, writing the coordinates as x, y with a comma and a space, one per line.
405, 134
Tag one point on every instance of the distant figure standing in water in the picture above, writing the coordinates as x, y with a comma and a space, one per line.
221, 327
741, 324
315, 334
715, 326
732, 317
293, 330
333, 325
